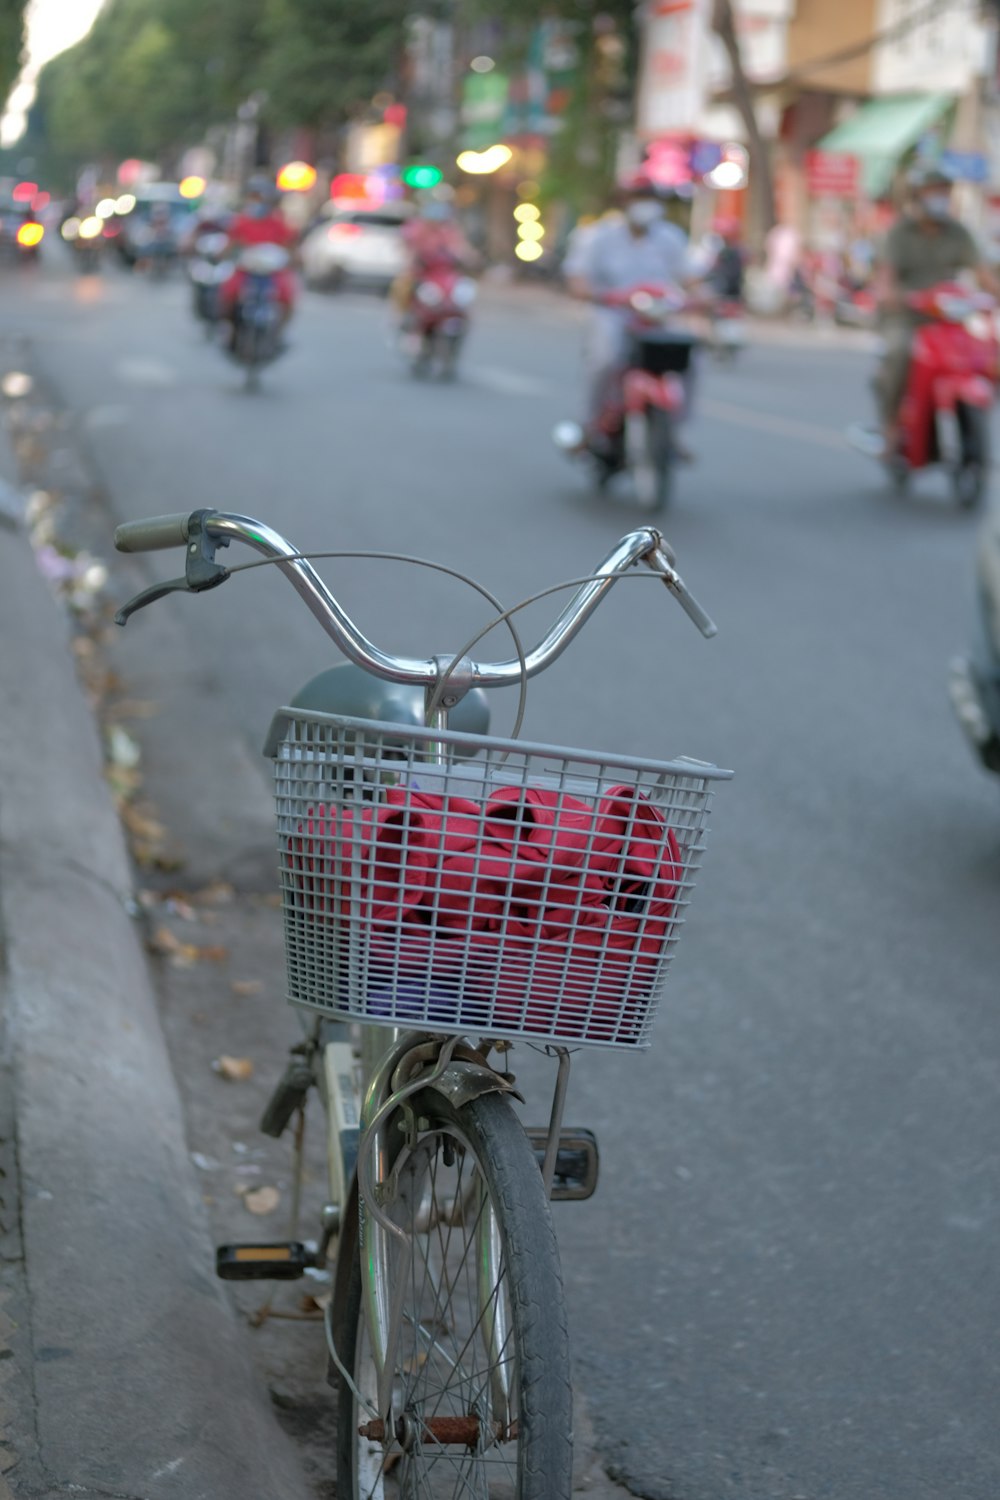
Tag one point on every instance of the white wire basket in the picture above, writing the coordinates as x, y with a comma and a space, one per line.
456, 883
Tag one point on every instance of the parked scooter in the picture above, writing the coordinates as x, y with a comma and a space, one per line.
974, 681
945, 413
257, 317
436, 322
208, 269
636, 432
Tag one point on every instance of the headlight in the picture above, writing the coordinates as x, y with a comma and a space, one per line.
465, 292
430, 294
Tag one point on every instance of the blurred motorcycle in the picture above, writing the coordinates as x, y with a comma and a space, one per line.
437, 321
207, 271
257, 314
974, 680
950, 388
636, 430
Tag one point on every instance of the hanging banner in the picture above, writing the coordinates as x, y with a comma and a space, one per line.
671, 93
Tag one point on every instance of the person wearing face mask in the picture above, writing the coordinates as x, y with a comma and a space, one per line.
640, 247
260, 223
925, 246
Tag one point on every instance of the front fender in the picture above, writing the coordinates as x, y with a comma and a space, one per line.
464, 1080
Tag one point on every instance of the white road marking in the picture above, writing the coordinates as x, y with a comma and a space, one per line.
137, 370
766, 421
99, 417
508, 382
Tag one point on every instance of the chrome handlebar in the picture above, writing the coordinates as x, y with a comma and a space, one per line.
221, 527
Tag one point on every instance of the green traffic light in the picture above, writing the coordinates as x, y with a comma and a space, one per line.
422, 176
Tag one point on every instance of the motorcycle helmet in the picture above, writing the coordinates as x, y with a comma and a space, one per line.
643, 199
263, 188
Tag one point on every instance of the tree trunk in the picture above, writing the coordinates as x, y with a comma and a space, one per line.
761, 180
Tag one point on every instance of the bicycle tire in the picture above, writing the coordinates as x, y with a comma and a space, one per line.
660, 431
437, 1372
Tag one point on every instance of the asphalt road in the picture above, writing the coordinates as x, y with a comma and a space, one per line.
788, 1284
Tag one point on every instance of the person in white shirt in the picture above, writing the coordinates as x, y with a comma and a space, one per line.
639, 248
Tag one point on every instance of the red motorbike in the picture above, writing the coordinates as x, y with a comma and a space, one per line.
437, 319
636, 430
945, 413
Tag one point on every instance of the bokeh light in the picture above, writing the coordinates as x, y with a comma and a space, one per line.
296, 177
479, 163
531, 232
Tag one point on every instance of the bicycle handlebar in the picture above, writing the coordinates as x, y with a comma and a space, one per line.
644, 545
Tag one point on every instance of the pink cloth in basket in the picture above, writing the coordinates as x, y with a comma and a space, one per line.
550, 912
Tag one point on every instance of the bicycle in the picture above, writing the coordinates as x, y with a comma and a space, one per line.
465, 892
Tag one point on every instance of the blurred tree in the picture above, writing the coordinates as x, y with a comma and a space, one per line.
325, 59
11, 43
153, 75
761, 177
599, 87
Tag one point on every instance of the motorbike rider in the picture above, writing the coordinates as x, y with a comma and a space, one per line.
926, 245
639, 248
434, 241
260, 223
725, 276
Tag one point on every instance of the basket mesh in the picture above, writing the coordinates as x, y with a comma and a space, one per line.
457, 883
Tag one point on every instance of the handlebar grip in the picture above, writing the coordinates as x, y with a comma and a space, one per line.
694, 611
661, 560
153, 534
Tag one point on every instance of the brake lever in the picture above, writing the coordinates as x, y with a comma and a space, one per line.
201, 571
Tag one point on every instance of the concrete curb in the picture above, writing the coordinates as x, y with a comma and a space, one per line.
139, 1383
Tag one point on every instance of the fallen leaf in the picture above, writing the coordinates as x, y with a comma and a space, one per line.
218, 893
123, 783
246, 986
262, 1200
142, 825
233, 1068
215, 953
178, 908
184, 954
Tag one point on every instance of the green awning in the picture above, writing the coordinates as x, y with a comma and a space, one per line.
882, 131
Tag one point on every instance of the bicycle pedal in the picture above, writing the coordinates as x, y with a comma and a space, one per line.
577, 1162
284, 1261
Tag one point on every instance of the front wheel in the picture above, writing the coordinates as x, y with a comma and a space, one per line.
970, 476
649, 453
481, 1400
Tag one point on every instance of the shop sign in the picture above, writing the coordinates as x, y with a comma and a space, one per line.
965, 166
832, 174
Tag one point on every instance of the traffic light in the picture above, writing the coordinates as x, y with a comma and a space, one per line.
422, 175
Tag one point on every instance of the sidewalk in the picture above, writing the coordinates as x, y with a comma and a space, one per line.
121, 1368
